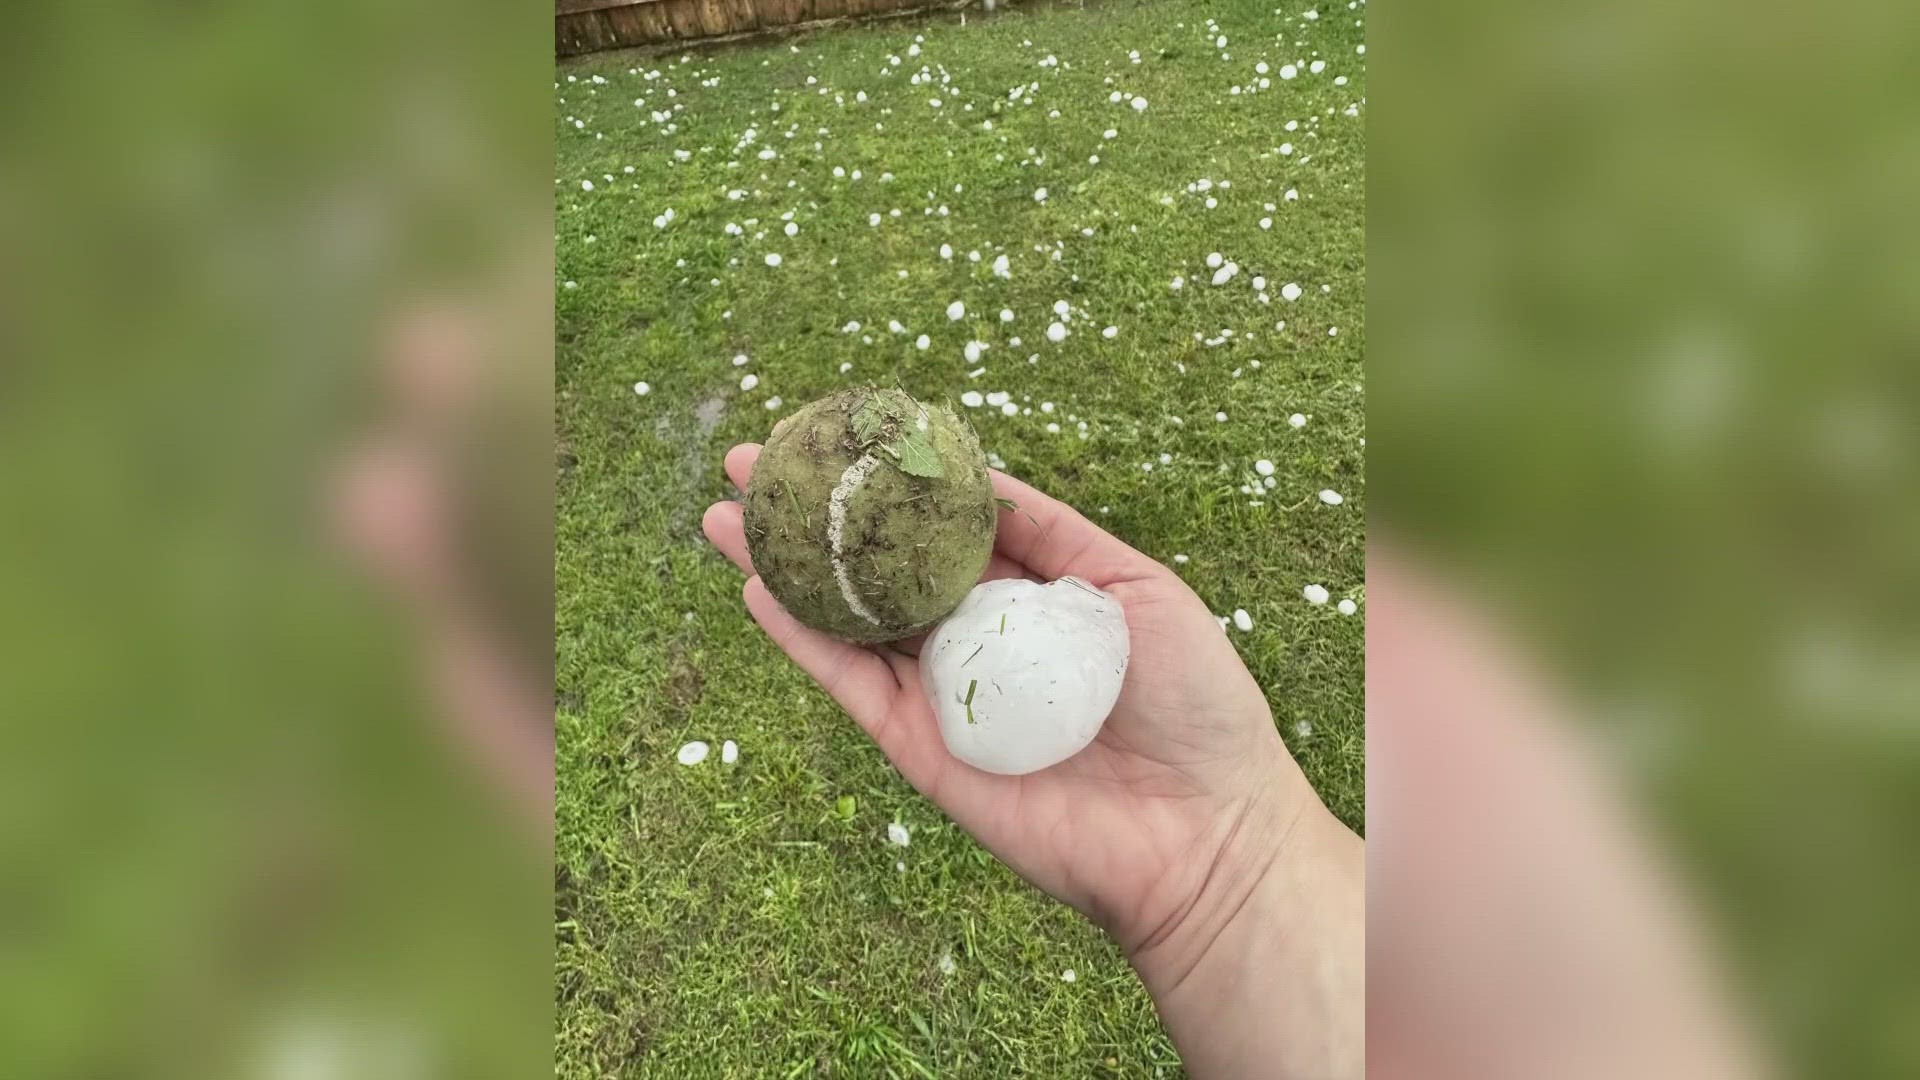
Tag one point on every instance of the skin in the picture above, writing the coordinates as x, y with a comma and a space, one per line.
1185, 829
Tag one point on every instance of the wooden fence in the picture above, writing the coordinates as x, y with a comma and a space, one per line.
581, 26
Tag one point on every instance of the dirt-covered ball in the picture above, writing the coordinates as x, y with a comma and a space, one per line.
870, 514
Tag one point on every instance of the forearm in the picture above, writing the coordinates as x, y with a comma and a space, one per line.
1265, 976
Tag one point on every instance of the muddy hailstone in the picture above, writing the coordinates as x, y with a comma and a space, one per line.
1023, 675
870, 515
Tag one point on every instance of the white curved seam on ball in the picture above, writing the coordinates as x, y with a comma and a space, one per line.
850, 480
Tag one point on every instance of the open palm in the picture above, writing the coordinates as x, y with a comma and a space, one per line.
1127, 830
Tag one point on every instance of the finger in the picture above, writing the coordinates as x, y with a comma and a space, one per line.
1054, 540
725, 525
861, 682
740, 461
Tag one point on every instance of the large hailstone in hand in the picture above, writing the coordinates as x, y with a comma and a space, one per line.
1022, 675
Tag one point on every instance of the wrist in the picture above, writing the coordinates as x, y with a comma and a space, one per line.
1263, 972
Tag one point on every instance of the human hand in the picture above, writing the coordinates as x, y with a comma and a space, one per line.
1185, 828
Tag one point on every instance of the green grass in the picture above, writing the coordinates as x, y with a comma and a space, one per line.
733, 920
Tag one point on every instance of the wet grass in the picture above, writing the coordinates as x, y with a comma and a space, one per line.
750, 920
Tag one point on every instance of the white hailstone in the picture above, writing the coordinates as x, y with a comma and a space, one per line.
972, 352
946, 965
1139, 104
1347, 607
1006, 314
1061, 308
1292, 195
894, 327
740, 360
1288, 71
749, 382
1242, 620
1225, 273
1272, 483
999, 398
1010, 409
1046, 406
1040, 195
1317, 66
973, 256
1053, 429
1067, 975
1212, 202
1166, 459
1333, 331
729, 751
1261, 67
1179, 282
1290, 292
1146, 466
897, 834
839, 172
1181, 559
1114, 98
693, 753
845, 367
773, 258
873, 219
569, 284
1023, 675
1056, 333
935, 102
1220, 416
586, 185
1110, 332
792, 229
1332, 497
1286, 149
972, 399
946, 251
1110, 133
1001, 267
1220, 42
642, 389
1296, 420
956, 311
1214, 260
1263, 467
922, 342
774, 402
1315, 594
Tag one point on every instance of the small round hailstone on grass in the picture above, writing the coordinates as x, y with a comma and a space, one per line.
1261, 68
1288, 71
1053, 429
1040, 195
774, 402
1110, 133
1263, 467
1110, 332
1006, 314
972, 351
923, 342
749, 382
1010, 409
897, 834
773, 258
1346, 607
1221, 417
956, 311
946, 251
1139, 104
1179, 282
693, 753
1317, 66
586, 185
792, 229
1296, 421
1290, 291
739, 359
1332, 497
972, 399
1181, 559
1068, 975
729, 752
946, 964
642, 389
1056, 333
1214, 260
1315, 594
1242, 620
569, 284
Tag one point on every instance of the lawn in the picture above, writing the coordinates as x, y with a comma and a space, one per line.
752, 919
